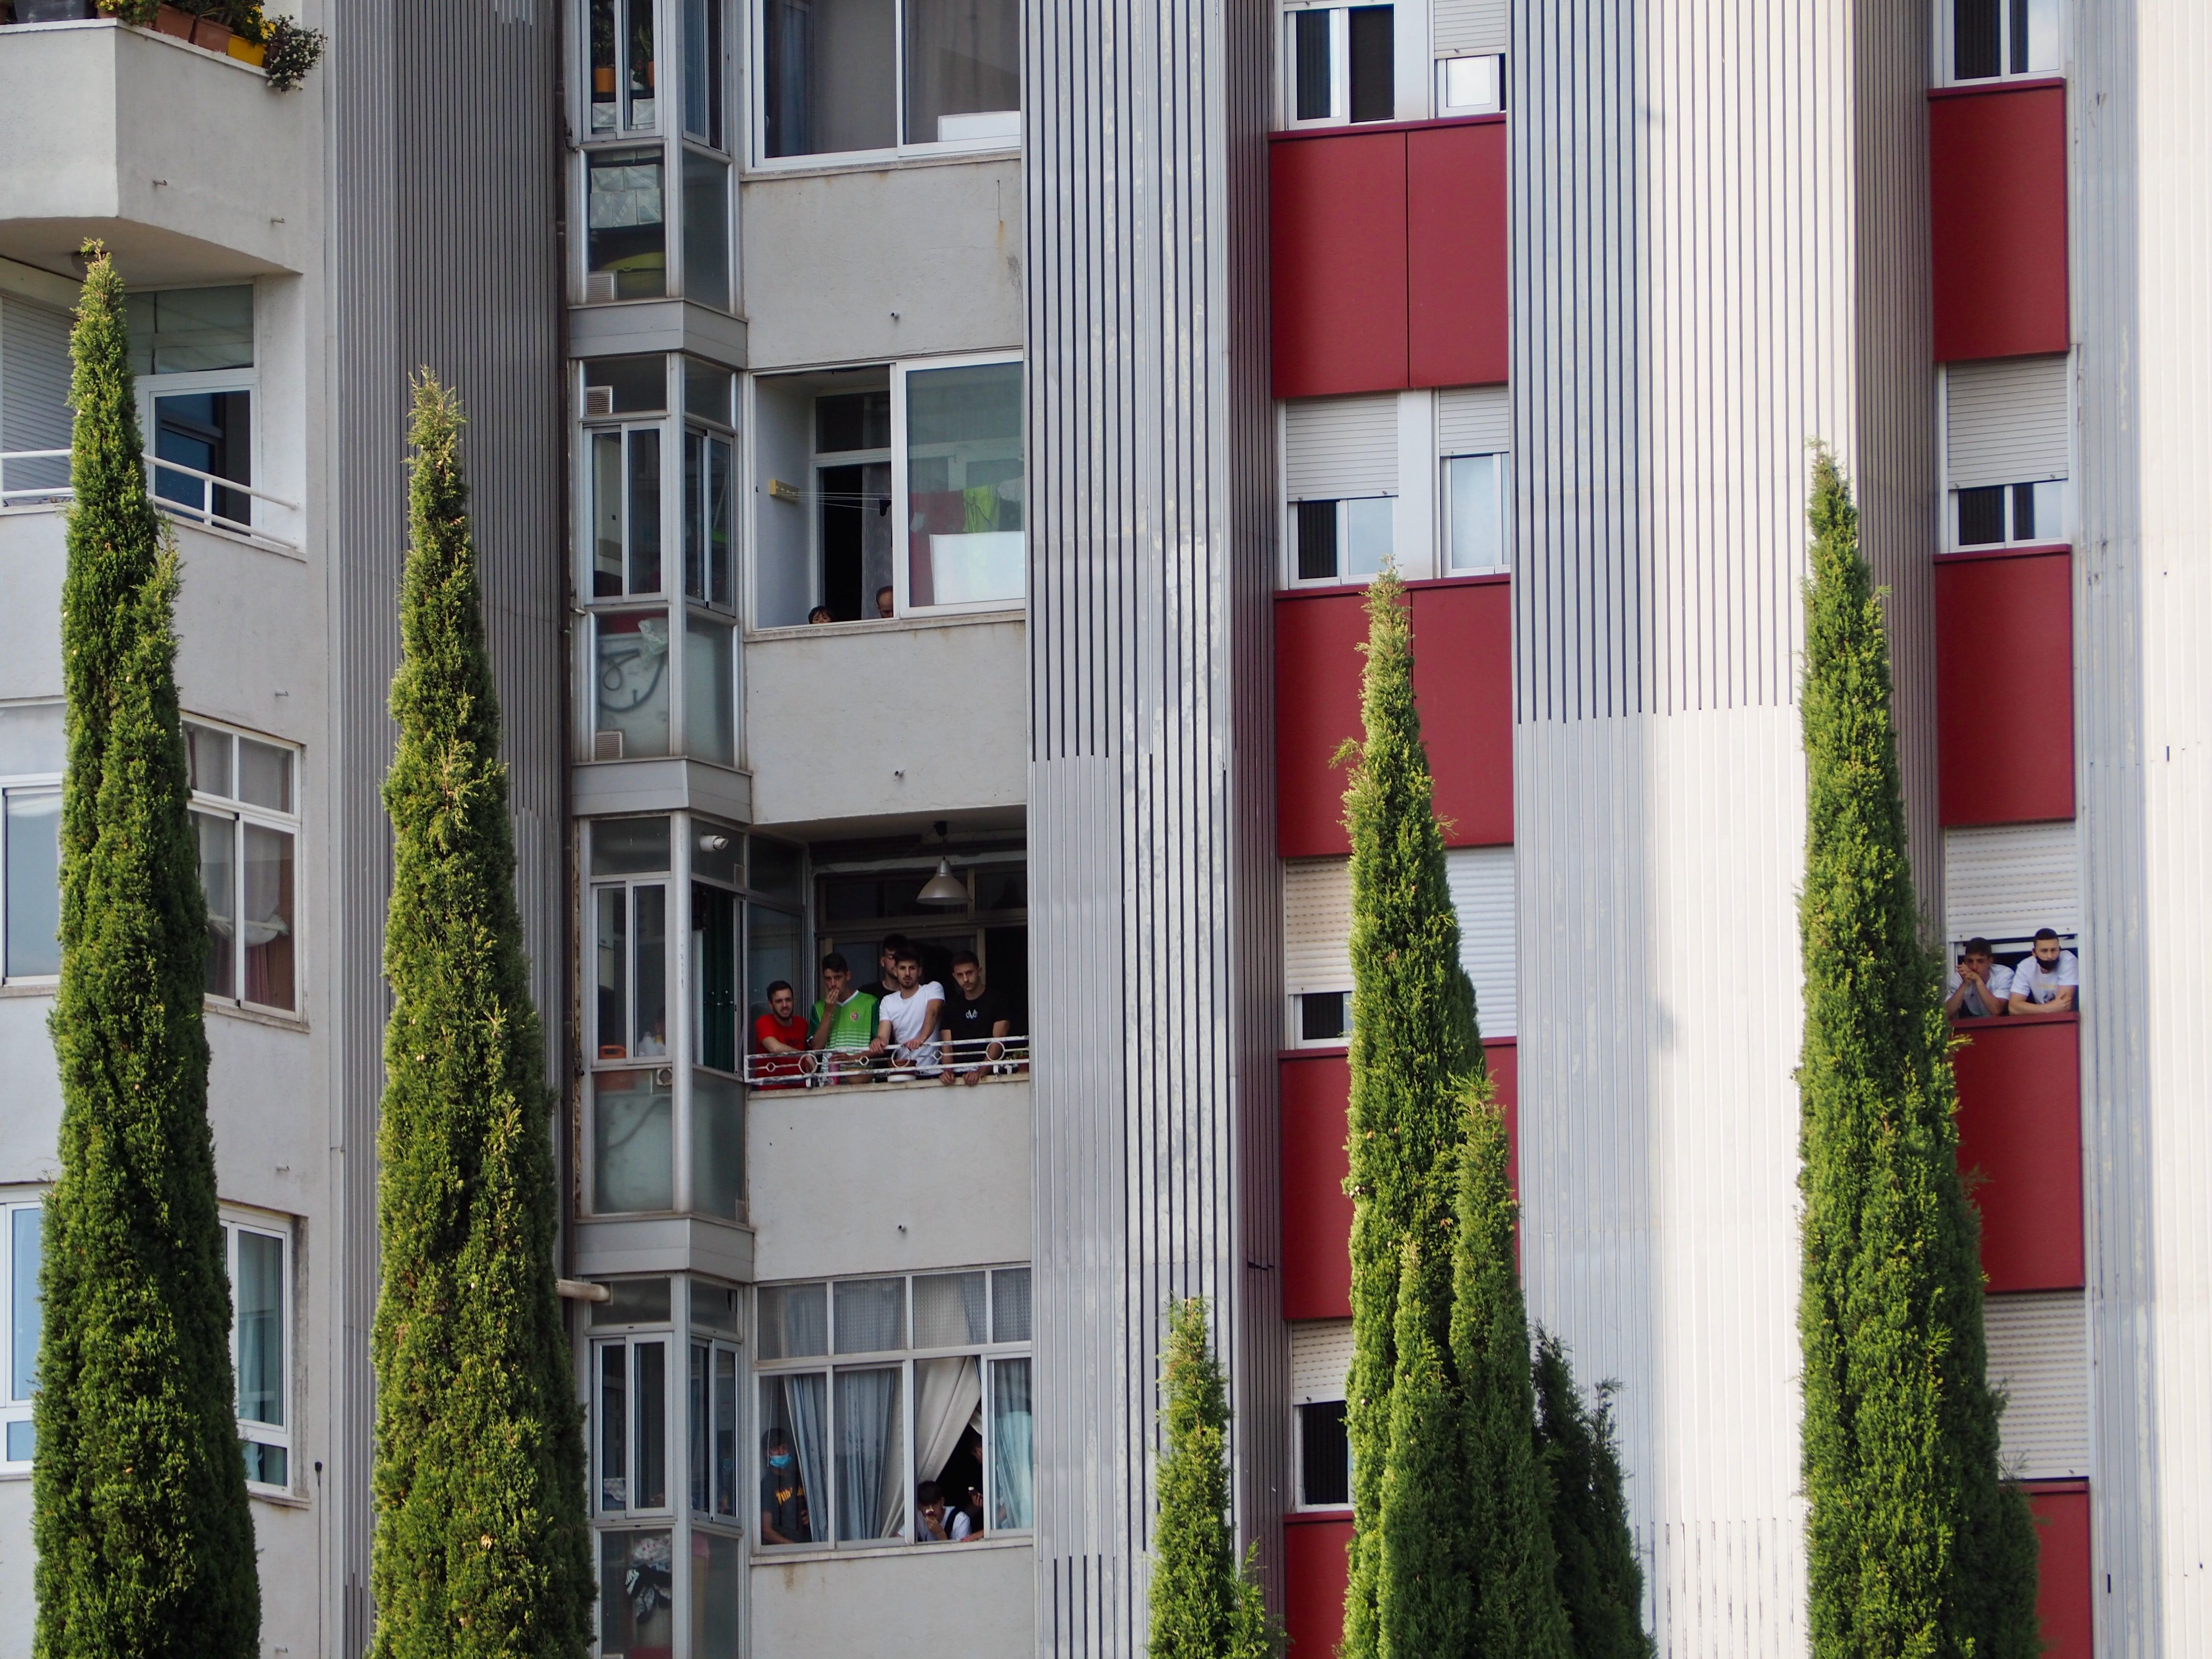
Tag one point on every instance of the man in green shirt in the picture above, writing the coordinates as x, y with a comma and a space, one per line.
844, 1022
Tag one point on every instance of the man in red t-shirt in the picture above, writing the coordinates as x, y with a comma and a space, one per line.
781, 1032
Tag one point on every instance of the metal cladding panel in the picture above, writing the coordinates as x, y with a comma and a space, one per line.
2040, 1357
2005, 421
2004, 666
2019, 1144
1456, 266
2005, 882
1474, 421
444, 173
1318, 1566
1155, 908
1333, 447
1997, 171
1317, 663
1337, 262
2066, 1593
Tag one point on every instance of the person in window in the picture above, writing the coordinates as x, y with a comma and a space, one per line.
967, 1519
885, 604
977, 1022
906, 1020
784, 1519
780, 1033
886, 979
821, 613
844, 1022
929, 1515
1981, 985
2046, 983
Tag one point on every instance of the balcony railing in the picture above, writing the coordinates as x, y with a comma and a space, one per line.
982, 1058
209, 488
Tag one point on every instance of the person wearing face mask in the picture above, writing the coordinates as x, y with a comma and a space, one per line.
784, 1519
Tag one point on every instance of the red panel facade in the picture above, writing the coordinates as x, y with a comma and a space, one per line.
1337, 264
1316, 1566
2064, 1592
2020, 1126
1316, 1091
1455, 263
2004, 633
1463, 676
1997, 189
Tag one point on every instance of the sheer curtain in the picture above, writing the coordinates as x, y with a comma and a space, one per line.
948, 1398
1010, 1444
871, 1465
802, 1398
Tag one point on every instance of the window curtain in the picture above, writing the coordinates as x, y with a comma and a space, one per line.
803, 1401
871, 1480
789, 28
1010, 1444
948, 1398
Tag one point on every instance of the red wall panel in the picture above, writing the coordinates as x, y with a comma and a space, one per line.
1315, 1568
1996, 190
1462, 676
2020, 1126
2063, 1593
1337, 262
2004, 738
1315, 1091
1455, 259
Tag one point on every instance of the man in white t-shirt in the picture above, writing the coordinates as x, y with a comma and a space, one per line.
1981, 985
2046, 982
907, 1018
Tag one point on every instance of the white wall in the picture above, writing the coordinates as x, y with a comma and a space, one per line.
973, 1601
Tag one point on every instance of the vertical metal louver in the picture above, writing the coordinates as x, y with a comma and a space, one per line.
1338, 446
2005, 421
2004, 881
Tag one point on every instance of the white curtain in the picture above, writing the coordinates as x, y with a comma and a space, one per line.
948, 1398
871, 1475
803, 1399
1010, 1443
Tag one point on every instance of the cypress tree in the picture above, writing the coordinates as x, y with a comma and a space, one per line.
1915, 1543
1202, 1608
1601, 1580
143, 1536
481, 1543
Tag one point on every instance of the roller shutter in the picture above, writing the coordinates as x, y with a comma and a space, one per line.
2039, 1356
2007, 421
1474, 420
1317, 925
2004, 881
1321, 1357
1465, 26
34, 380
1481, 879
1335, 448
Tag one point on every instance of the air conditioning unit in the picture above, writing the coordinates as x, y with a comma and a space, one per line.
606, 745
598, 286
598, 400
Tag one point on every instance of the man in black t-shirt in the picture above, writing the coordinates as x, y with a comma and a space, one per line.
975, 1022
784, 1519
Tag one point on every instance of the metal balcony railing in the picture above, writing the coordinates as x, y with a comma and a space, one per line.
823, 1068
209, 487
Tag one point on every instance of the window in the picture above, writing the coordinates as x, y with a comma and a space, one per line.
1340, 64
1471, 85
1341, 540
964, 487
847, 76
1324, 1453
623, 78
1992, 38
194, 349
1994, 515
1324, 1016
31, 756
1475, 513
876, 1389
861, 906
19, 1225
247, 822
258, 1255
625, 238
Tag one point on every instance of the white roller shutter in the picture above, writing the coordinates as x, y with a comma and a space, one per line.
34, 380
1321, 1359
1481, 880
2007, 421
1461, 25
2039, 1356
1317, 925
1474, 420
1338, 446
2004, 881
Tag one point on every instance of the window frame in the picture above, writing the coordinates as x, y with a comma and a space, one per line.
236, 1222
14, 1410
23, 783
1340, 62
1947, 57
244, 813
1299, 1502
152, 388
1505, 510
1341, 578
1948, 538
1440, 70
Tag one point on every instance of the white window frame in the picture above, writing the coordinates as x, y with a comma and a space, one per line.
1298, 1504
759, 161
715, 1346
675, 1471
1443, 534
1946, 59
1343, 504
901, 508
236, 1223
152, 387
1340, 61
1496, 103
1947, 536
904, 1360
242, 813
12, 1409
27, 783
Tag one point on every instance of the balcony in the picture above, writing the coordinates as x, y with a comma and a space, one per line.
184, 162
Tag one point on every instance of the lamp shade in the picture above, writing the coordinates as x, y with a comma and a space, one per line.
943, 887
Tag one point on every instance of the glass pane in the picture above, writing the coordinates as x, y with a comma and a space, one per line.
1314, 525
264, 774
795, 1321
871, 1455
2041, 24
706, 391
871, 1315
208, 433
702, 71
613, 1444
626, 385
602, 65
830, 81
710, 464
698, 1425
965, 487
716, 1307
1471, 486
848, 421
718, 1144
710, 719
633, 1301
260, 1313
32, 900
1372, 81
641, 477
724, 1448
706, 230
626, 250
1010, 1306
1367, 527
610, 954
771, 954
218, 842
637, 50
2047, 509
722, 510
777, 870
1975, 43
630, 847
207, 759
964, 71
637, 1613
269, 916
632, 687
266, 1466
1981, 516
1324, 1455
182, 331
649, 983
1311, 74
713, 1597
649, 1409
794, 1430
606, 515
22, 1440
31, 739
633, 1144
715, 972
1010, 1466
948, 1310
23, 1314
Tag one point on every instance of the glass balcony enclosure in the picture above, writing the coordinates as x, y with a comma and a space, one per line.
657, 477
845, 78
